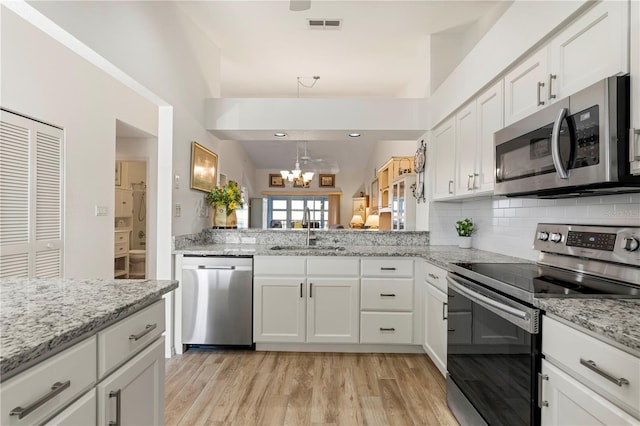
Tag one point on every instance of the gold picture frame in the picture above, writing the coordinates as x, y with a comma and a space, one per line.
276, 180
204, 168
327, 181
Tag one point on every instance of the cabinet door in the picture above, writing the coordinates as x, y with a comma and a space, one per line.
134, 393
593, 47
124, 203
435, 337
279, 308
82, 412
466, 149
490, 119
443, 159
522, 93
332, 310
568, 402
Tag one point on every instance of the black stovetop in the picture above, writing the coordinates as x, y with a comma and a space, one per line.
545, 281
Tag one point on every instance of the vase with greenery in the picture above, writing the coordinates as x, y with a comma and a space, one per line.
225, 200
465, 229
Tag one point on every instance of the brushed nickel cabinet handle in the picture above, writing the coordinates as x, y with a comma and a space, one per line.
551, 78
444, 314
435, 277
147, 329
117, 395
541, 403
540, 86
56, 389
469, 183
450, 190
591, 365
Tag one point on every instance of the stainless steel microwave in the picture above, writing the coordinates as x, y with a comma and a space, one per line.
577, 146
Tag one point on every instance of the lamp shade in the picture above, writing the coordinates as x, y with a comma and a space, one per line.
356, 221
373, 221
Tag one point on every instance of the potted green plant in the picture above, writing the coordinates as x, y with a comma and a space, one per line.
223, 202
465, 229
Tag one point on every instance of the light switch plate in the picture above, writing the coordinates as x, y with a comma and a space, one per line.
101, 210
178, 210
176, 181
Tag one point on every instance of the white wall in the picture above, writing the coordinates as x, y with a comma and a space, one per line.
156, 44
43, 79
507, 226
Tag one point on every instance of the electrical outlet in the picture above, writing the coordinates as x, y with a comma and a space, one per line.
101, 210
176, 181
178, 210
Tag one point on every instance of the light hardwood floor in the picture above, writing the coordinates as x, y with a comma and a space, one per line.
280, 388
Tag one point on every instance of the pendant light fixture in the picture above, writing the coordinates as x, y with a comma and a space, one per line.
296, 173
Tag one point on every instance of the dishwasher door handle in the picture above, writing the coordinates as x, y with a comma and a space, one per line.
223, 268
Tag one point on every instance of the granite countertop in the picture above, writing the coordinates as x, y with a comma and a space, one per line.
614, 319
38, 317
438, 255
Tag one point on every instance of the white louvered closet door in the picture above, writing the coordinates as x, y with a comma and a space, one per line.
30, 198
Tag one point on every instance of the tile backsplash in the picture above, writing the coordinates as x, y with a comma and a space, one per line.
507, 225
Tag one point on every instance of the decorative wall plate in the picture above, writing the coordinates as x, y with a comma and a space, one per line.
419, 157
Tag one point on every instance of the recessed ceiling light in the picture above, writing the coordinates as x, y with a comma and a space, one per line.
354, 135
280, 135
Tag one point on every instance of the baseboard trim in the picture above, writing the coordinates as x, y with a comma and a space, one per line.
342, 348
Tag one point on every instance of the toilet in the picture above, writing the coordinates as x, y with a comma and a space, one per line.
137, 263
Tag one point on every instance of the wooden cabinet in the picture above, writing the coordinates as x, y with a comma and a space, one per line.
386, 174
592, 47
403, 207
134, 393
568, 402
443, 159
320, 307
123, 203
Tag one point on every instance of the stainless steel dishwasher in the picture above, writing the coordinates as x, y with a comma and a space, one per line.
217, 300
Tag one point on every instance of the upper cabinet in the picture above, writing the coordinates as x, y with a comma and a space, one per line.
593, 47
490, 112
443, 159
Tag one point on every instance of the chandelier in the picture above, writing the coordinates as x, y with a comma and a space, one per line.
296, 173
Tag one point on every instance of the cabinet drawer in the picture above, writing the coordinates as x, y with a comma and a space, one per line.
386, 294
279, 265
568, 346
333, 266
386, 327
122, 237
436, 276
75, 366
387, 267
119, 342
121, 248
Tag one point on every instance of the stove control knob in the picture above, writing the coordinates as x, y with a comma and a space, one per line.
555, 237
543, 236
630, 244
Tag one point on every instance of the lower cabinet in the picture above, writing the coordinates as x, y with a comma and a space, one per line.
435, 327
568, 402
332, 310
134, 393
279, 309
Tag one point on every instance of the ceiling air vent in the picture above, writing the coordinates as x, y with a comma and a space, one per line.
324, 24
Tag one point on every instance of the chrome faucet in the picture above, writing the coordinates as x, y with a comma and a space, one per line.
306, 219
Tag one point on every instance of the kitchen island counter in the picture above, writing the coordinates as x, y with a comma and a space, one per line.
41, 317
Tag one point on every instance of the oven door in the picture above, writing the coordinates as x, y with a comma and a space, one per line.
492, 372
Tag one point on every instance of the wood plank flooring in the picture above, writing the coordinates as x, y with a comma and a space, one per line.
205, 387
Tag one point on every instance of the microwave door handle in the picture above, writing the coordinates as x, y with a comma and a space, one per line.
555, 145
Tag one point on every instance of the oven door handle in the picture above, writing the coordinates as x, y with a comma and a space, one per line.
493, 303
555, 145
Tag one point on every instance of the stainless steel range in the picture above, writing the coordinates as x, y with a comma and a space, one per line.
494, 336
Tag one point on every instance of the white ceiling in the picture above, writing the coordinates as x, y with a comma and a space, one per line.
380, 51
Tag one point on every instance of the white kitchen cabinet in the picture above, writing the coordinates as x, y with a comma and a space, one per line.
490, 113
332, 310
403, 209
82, 412
524, 87
134, 393
279, 309
589, 49
565, 401
443, 159
466, 148
435, 337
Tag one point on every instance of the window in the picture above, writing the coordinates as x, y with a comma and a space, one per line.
286, 211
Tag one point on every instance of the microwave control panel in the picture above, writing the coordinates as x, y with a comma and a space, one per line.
587, 137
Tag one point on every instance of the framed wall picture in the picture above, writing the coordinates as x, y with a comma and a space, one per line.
204, 168
276, 180
327, 181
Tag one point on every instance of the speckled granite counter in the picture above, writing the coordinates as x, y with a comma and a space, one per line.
614, 319
439, 255
38, 317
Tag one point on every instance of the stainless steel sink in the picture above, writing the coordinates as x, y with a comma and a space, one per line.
303, 248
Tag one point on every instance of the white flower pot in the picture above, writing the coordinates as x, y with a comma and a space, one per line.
464, 242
